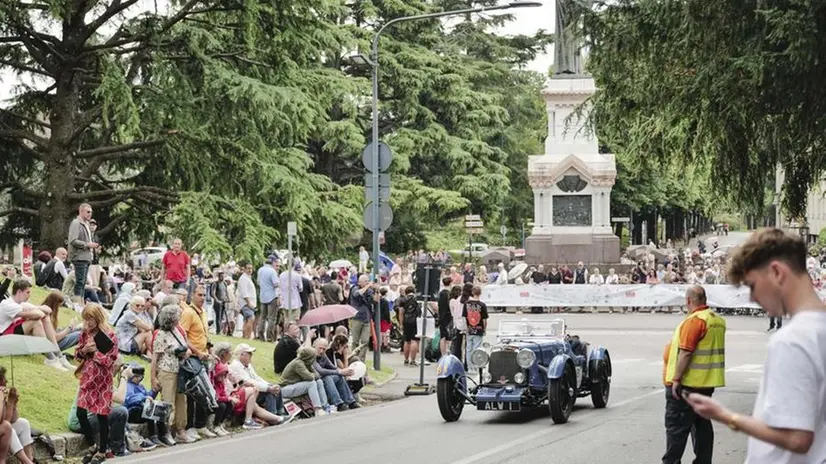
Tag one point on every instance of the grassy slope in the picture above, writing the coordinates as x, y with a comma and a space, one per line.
46, 394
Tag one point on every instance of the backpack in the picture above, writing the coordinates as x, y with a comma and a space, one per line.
45, 273
411, 309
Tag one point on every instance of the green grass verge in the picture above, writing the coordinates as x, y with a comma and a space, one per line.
46, 394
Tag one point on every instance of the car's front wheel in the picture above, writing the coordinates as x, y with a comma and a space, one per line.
561, 395
451, 402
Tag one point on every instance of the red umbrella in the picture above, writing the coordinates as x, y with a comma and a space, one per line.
327, 315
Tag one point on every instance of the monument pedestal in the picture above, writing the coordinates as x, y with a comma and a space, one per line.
572, 184
566, 249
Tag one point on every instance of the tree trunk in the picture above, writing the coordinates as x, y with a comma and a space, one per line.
57, 209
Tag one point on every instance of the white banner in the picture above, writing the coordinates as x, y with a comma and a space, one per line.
586, 295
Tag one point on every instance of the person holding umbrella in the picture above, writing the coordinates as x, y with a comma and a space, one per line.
97, 351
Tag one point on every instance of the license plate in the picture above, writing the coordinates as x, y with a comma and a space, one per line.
498, 406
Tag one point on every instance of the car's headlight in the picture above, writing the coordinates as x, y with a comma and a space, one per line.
479, 358
519, 377
486, 377
525, 358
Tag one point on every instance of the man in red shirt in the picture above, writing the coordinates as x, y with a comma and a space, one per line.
176, 265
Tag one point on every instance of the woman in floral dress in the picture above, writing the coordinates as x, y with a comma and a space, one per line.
95, 372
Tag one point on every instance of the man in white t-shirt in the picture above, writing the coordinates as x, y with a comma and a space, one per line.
19, 317
789, 421
247, 299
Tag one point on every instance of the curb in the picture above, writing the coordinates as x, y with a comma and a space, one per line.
70, 444
385, 382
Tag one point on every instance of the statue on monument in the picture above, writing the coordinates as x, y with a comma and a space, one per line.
568, 36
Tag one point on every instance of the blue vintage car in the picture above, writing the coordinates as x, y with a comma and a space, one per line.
531, 362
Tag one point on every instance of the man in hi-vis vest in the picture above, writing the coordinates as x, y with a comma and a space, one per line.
695, 361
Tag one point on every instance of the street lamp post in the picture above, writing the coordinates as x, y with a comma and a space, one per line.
373, 62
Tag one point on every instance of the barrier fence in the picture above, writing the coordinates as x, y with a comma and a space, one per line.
637, 295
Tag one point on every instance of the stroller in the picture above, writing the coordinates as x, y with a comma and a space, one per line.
432, 352
396, 338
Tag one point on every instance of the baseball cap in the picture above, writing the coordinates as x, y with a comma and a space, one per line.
243, 348
271, 259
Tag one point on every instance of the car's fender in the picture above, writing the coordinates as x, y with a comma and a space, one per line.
449, 366
557, 366
598, 354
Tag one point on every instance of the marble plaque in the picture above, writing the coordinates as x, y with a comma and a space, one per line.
572, 210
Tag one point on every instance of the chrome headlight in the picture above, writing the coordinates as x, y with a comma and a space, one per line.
525, 358
519, 377
486, 377
479, 358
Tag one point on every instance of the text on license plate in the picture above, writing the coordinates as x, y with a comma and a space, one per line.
498, 406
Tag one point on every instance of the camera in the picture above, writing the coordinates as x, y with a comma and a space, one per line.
138, 371
180, 352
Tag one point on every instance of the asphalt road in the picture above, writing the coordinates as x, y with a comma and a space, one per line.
410, 430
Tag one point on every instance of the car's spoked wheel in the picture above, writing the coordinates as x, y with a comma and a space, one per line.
451, 402
601, 385
561, 396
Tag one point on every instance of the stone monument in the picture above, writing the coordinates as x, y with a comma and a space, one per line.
572, 181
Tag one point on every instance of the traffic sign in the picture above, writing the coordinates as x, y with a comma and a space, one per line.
385, 157
384, 180
292, 229
479, 231
474, 224
473, 217
384, 187
385, 216
620, 219
503, 230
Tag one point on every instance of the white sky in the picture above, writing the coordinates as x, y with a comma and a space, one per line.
526, 21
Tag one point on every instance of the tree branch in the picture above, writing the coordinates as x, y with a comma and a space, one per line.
26, 118
25, 135
110, 227
84, 121
16, 185
153, 191
17, 209
23, 67
96, 162
107, 203
115, 8
94, 152
119, 39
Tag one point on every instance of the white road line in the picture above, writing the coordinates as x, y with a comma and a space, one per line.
537, 435
625, 361
748, 368
653, 332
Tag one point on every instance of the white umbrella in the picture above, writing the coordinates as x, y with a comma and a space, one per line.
517, 270
340, 263
23, 345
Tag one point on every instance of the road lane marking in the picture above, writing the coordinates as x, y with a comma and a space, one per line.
537, 435
749, 368
625, 361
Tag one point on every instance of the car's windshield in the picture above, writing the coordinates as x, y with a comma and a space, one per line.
554, 328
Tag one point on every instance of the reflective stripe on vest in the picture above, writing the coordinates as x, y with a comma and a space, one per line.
708, 362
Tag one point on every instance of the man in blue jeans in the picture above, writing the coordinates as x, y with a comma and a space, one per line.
81, 249
335, 382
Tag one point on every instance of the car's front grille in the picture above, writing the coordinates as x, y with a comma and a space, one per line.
503, 366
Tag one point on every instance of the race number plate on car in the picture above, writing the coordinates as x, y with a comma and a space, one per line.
498, 406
